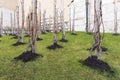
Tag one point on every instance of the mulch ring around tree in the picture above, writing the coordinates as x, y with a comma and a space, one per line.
39, 39
14, 37
73, 34
116, 34
63, 40
103, 49
18, 43
28, 56
27, 35
54, 46
94, 63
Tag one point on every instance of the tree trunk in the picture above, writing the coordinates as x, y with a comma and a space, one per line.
87, 16
1, 24
54, 25
18, 30
73, 24
44, 22
12, 30
97, 23
115, 17
63, 22
39, 24
22, 3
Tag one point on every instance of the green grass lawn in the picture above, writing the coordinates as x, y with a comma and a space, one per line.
59, 64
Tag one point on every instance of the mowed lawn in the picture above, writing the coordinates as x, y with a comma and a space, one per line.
59, 64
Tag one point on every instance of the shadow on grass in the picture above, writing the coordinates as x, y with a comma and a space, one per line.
27, 35
63, 40
74, 34
14, 37
103, 49
116, 34
94, 63
54, 46
28, 56
18, 43
39, 39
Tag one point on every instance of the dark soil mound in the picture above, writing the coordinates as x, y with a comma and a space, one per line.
39, 39
14, 37
103, 49
27, 36
93, 62
63, 40
18, 43
73, 34
115, 34
27, 56
89, 33
0, 35
54, 46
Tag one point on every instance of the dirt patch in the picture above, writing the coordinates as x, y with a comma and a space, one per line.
19, 43
54, 46
28, 56
116, 34
93, 62
63, 40
39, 39
27, 36
73, 34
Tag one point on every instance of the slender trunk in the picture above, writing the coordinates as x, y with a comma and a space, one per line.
14, 23
97, 24
63, 22
73, 24
70, 18
22, 3
39, 24
18, 30
34, 26
54, 24
11, 24
87, 16
115, 17
44, 21
1, 24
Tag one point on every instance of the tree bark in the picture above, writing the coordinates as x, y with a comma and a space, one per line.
115, 17
97, 23
54, 25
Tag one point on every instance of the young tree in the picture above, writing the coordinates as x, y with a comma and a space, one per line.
18, 27
44, 21
22, 3
54, 25
63, 22
33, 28
12, 30
1, 24
73, 23
97, 23
87, 16
115, 17
39, 22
